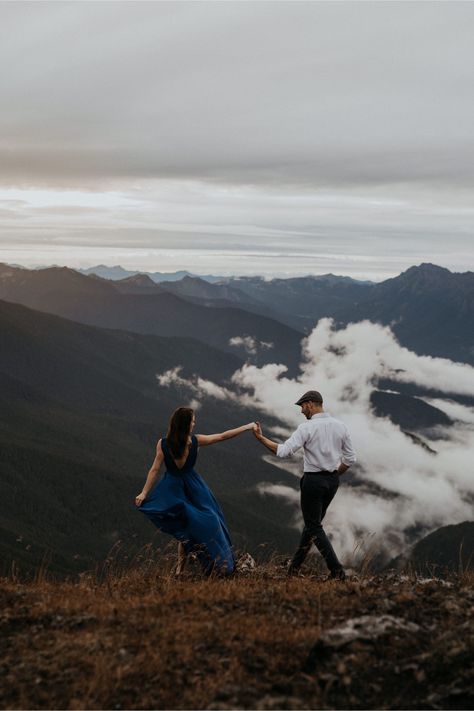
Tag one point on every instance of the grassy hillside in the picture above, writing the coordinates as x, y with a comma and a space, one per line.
448, 547
141, 639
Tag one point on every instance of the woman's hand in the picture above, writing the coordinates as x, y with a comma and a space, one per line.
251, 426
139, 499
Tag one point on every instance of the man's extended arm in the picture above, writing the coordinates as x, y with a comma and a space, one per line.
295, 442
269, 444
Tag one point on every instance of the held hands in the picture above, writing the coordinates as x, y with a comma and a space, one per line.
257, 430
139, 499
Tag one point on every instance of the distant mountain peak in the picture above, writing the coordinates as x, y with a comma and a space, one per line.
138, 280
56, 268
192, 279
422, 276
338, 279
427, 268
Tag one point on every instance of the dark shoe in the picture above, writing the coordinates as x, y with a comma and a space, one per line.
338, 574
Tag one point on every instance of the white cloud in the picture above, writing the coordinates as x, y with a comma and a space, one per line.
454, 410
195, 404
172, 377
250, 344
200, 387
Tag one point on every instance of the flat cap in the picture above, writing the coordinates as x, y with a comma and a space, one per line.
310, 396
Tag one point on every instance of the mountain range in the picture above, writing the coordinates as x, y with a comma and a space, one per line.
78, 366
99, 302
430, 309
118, 272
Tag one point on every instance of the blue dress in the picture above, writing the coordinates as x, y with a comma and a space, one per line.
182, 505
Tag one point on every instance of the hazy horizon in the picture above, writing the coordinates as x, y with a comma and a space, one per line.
215, 274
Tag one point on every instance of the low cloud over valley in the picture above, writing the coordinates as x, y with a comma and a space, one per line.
404, 486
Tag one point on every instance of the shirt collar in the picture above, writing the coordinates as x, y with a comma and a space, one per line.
321, 414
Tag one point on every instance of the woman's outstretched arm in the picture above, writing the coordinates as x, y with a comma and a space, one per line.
152, 476
204, 440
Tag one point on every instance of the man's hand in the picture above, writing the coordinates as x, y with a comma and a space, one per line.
257, 430
272, 446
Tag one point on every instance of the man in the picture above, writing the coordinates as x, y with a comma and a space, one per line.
328, 452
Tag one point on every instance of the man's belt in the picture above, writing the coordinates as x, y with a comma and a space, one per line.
323, 472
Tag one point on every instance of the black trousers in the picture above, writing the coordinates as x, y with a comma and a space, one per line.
317, 492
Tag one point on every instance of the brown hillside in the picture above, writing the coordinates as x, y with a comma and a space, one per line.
142, 639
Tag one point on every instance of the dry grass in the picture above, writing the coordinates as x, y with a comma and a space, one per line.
138, 638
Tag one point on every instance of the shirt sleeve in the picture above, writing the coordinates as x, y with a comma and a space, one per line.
295, 442
348, 452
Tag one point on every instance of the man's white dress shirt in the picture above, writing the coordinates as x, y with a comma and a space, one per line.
326, 443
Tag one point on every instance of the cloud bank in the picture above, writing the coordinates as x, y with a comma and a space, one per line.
173, 136
99, 92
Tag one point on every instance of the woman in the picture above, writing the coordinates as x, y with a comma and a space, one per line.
182, 504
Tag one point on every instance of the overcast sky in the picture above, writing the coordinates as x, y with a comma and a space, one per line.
273, 138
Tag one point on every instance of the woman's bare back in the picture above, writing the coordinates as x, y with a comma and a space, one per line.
182, 460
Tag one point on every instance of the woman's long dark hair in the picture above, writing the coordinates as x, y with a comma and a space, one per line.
178, 431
